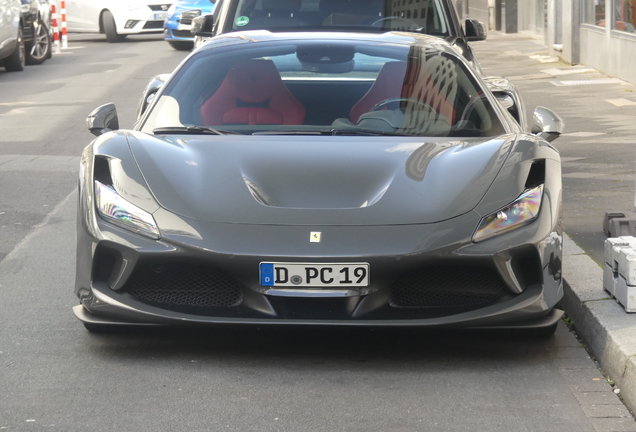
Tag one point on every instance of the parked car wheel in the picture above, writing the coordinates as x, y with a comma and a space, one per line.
38, 50
16, 61
181, 45
110, 28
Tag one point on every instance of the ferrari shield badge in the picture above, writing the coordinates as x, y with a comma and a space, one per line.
315, 236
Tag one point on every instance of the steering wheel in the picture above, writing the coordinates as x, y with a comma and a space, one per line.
407, 22
399, 101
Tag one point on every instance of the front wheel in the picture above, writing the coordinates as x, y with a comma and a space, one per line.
110, 28
39, 49
17, 60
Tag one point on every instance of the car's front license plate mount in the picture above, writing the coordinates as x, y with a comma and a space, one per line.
161, 16
303, 275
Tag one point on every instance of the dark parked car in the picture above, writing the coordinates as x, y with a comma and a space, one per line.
433, 17
12, 51
38, 30
321, 179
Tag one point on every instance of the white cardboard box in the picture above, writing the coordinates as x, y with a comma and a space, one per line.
619, 271
626, 294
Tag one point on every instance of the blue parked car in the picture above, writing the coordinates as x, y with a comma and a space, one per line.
180, 15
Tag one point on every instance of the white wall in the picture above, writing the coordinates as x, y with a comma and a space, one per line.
612, 52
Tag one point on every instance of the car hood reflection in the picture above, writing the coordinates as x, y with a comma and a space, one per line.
318, 180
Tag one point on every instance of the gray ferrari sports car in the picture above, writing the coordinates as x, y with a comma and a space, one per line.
321, 179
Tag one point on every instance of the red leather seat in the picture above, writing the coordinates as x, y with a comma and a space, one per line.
408, 80
252, 93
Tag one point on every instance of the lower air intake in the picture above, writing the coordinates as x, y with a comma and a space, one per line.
448, 287
183, 285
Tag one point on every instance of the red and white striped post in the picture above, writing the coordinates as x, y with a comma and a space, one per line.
63, 12
56, 31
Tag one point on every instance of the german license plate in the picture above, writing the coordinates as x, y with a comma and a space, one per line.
185, 27
314, 275
161, 16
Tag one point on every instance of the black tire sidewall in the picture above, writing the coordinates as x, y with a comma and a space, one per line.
17, 61
110, 28
182, 45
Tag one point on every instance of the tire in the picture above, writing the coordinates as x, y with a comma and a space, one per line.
181, 45
17, 60
110, 28
40, 48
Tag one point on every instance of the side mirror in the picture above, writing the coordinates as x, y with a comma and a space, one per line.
149, 93
102, 119
475, 30
547, 124
203, 25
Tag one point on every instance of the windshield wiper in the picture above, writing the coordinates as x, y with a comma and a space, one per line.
364, 132
292, 132
192, 130
328, 132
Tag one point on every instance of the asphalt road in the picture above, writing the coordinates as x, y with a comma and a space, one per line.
56, 376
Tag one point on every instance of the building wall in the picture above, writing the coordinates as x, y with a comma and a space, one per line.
478, 9
612, 52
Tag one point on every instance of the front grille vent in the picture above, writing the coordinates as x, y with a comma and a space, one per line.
195, 285
153, 25
448, 287
159, 7
181, 34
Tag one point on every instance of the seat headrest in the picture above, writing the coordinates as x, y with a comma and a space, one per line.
254, 81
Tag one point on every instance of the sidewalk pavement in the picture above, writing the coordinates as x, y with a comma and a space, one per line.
607, 330
598, 154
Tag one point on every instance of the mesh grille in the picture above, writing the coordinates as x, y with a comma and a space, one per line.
181, 34
440, 287
184, 285
153, 25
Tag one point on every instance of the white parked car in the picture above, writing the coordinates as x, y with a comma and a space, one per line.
12, 50
116, 18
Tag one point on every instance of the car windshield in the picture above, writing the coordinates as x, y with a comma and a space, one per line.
424, 16
325, 87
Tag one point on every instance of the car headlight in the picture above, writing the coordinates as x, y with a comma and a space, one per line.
523, 211
116, 210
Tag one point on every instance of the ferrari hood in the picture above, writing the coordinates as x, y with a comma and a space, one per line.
318, 180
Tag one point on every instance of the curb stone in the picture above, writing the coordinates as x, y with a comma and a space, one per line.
608, 331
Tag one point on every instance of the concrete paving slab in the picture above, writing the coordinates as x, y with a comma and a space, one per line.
567, 71
584, 380
614, 424
606, 411
598, 398
608, 331
576, 363
621, 102
571, 353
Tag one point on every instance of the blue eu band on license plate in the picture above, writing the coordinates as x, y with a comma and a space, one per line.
298, 275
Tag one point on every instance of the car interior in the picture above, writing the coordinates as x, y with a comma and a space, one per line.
318, 87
